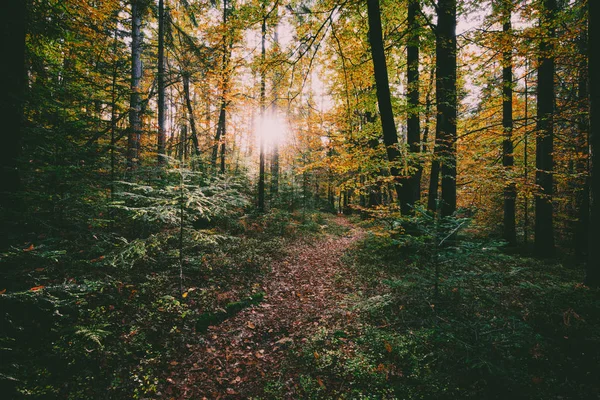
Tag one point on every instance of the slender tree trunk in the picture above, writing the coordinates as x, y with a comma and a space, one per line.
593, 265
261, 173
275, 155
190, 111
388, 125
413, 126
434, 182
222, 123
162, 133
13, 23
446, 101
544, 235
510, 191
135, 105
582, 140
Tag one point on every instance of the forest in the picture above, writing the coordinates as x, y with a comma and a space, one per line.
300, 199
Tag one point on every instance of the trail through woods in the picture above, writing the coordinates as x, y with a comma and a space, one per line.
305, 290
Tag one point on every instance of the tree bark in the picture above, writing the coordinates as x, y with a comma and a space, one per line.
582, 140
135, 104
162, 133
275, 155
222, 123
13, 83
544, 235
412, 193
388, 125
593, 265
446, 100
190, 111
261, 172
508, 162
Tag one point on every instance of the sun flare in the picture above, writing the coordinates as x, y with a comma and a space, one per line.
271, 130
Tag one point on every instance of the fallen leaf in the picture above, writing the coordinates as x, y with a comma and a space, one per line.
29, 248
388, 347
174, 363
250, 325
2, 291
36, 288
184, 295
320, 382
39, 269
317, 356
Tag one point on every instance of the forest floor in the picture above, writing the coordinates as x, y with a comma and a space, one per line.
305, 290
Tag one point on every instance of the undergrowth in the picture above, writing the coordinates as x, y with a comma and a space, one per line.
102, 308
456, 319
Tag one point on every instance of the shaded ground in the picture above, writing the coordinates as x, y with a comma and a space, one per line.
305, 290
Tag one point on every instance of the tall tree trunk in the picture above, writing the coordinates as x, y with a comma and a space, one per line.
446, 100
275, 155
13, 82
135, 104
222, 123
162, 133
190, 111
583, 193
593, 265
388, 125
544, 235
508, 161
434, 182
412, 192
261, 172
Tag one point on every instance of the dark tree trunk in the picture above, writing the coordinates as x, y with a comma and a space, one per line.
446, 101
135, 105
261, 172
388, 125
275, 171
434, 182
593, 265
275, 155
583, 193
544, 235
162, 133
13, 83
222, 123
190, 111
412, 192
510, 193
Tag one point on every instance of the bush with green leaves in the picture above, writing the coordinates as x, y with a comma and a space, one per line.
445, 315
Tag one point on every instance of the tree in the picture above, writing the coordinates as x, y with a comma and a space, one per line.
508, 161
138, 8
593, 264
162, 134
261, 173
12, 76
544, 234
412, 193
384, 101
446, 100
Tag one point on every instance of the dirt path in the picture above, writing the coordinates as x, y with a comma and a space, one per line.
305, 290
